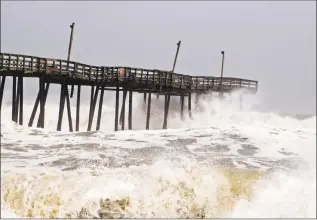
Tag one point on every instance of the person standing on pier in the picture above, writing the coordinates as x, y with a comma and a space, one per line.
123, 77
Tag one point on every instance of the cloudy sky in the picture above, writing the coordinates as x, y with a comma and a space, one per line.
273, 42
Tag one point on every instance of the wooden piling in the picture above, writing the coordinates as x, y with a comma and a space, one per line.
2, 89
36, 106
130, 110
20, 84
166, 107
78, 107
69, 113
182, 105
100, 108
144, 97
61, 108
38, 98
17, 101
116, 109
14, 91
197, 94
148, 115
92, 94
92, 108
42, 101
189, 105
122, 114
124, 95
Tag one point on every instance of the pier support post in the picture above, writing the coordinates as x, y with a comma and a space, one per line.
100, 107
148, 114
64, 97
167, 103
78, 107
14, 92
20, 86
38, 100
92, 93
42, 101
189, 104
36, 104
122, 113
61, 108
130, 110
116, 109
69, 114
92, 106
182, 105
197, 97
2, 89
17, 101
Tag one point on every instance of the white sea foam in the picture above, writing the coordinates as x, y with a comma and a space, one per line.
226, 162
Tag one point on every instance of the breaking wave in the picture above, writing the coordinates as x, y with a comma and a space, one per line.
222, 162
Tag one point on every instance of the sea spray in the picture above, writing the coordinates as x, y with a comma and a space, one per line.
223, 162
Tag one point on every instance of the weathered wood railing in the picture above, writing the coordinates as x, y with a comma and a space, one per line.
30, 65
205, 83
35, 65
103, 78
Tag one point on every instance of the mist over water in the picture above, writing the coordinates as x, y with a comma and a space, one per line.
222, 162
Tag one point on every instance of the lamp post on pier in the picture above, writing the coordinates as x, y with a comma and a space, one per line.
176, 55
223, 60
72, 27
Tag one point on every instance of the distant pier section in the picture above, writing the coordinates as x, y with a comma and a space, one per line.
126, 80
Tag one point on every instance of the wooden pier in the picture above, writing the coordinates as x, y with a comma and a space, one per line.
100, 79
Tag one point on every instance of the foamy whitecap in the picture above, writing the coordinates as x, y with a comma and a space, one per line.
221, 163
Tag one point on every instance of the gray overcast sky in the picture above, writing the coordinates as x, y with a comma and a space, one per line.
273, 42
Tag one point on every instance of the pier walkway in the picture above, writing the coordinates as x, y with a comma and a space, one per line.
101, 78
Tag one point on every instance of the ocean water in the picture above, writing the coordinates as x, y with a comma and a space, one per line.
222, 162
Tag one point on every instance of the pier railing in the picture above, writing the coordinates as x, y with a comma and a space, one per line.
54, 67
205, 83
129, 80
31, 65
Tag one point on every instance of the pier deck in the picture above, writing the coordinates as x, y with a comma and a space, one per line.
117, 78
